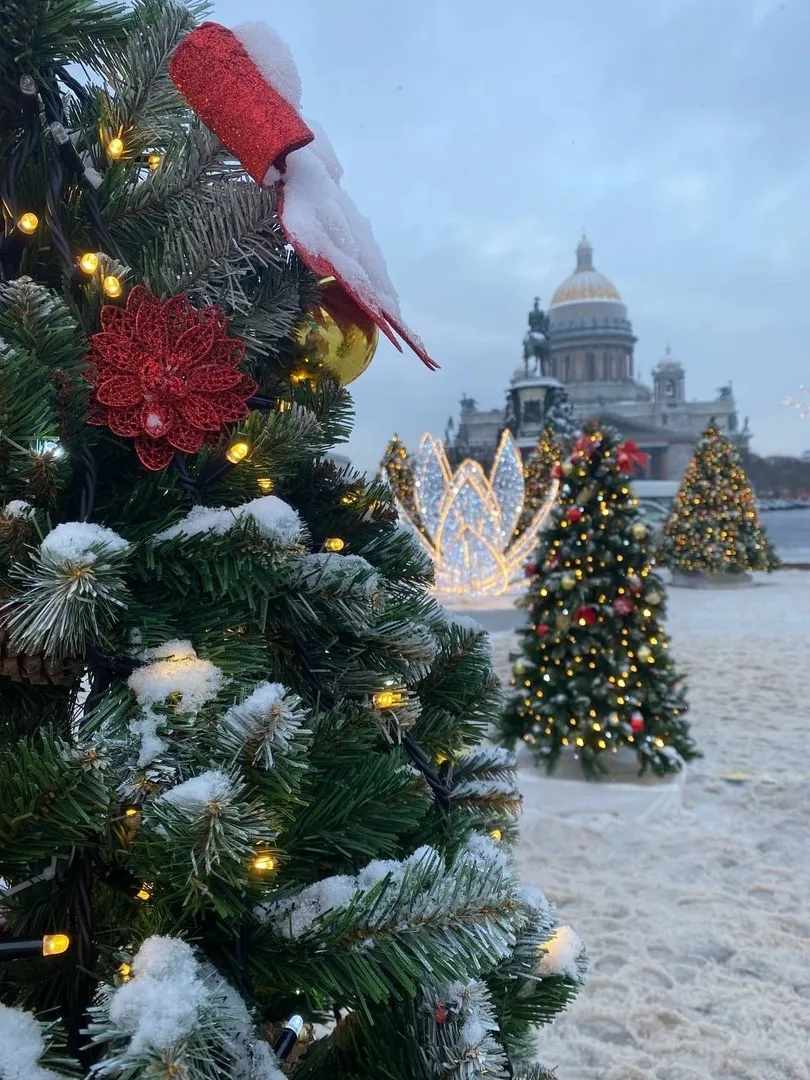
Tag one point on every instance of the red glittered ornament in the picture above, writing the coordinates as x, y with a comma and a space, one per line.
574, 514
165, 375
585, 615
637, 722
542, 629
635, 584
531, 569
623, 605
440, 1013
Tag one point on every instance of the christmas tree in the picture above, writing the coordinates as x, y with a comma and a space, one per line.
537, 475
713, 526
397, 468
247, 826
595, 672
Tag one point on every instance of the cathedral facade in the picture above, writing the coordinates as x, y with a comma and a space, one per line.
585, 344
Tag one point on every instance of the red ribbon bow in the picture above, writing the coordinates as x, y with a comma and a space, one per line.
628, 456
585, 445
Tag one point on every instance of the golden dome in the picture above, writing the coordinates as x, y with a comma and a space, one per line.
585, 283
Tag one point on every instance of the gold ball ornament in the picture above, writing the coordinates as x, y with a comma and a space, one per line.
568, 581
644, 653
567, 468
336, 337
639, 530
653, 598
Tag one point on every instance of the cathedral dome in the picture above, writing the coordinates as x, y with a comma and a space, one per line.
585, 284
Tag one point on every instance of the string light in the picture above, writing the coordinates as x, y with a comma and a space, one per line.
28, 223
131, 812
153, 161
263, 862
89, 262
389, 699
144, 893
237, 452
55, 944
266, 484
334, 543
112, 286
125, 972
496, 835
115, 148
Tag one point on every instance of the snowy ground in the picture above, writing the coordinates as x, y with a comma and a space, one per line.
698, 921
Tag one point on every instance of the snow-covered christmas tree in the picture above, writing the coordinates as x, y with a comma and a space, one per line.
247, 826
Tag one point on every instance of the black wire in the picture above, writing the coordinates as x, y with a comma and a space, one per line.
188, 484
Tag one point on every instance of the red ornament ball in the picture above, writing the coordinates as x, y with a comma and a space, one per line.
166, 375
585, 615
574, 514
530, 568
556, 472
623, 606
635, 584
440, 1013
637, 722
542, 629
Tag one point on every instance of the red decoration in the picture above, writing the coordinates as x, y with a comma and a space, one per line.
530, 568
552, 562
637, 722
440, 1013
585, 445
574, 514
557, 473
623, 606
585, 614
635, 584
166, 375
628, 456
212, 70
261, 126
542, 629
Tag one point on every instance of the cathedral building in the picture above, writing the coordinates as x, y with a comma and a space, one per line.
585, 344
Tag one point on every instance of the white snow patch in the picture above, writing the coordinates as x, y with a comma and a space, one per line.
21, 1046
74, 541
562, 954
272, 714
320, 217
175, 669
295, 916
195, 794
273, 517
273, 58
18, 508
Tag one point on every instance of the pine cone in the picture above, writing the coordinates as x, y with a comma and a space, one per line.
35, 669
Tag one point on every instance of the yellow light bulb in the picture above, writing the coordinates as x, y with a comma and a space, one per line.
125, 971
264, 862
55, 944
112, 286
115, 148
237, 452
153, 161
496, 835
334, 543
144, 893
388, 699
266, 484
131, 811
440, 759
89, 262
28, 223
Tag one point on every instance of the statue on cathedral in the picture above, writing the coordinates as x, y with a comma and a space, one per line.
536, 345
725, 393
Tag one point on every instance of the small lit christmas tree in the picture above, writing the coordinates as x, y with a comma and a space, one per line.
397, 468
594, 671
714, 527
537, 475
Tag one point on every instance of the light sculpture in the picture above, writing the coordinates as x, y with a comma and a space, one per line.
469, 519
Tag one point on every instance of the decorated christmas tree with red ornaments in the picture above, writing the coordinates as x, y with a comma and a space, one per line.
595, 673
249, 829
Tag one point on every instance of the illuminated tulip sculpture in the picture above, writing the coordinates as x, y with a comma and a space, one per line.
469, 519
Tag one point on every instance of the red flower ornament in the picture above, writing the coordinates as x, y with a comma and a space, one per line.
623, 606
166, 375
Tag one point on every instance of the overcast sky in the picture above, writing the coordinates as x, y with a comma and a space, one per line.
480, 137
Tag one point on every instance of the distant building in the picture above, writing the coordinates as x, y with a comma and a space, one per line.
585, 344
